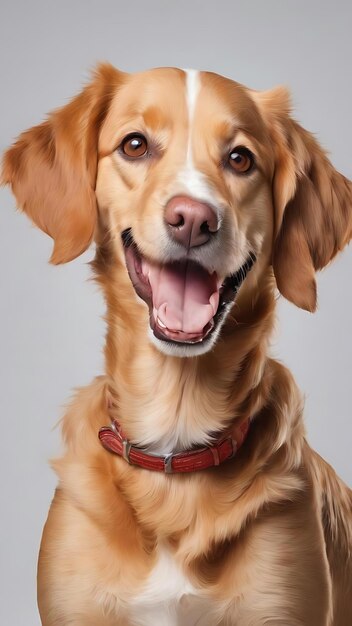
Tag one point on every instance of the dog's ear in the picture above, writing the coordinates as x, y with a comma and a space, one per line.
52, 167
312, 201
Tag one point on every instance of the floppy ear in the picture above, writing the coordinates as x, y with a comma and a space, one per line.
313, 205
52, 167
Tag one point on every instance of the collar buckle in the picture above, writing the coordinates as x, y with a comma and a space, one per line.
126, 449
168, 463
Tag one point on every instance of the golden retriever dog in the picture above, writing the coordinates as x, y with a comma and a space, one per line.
188, 494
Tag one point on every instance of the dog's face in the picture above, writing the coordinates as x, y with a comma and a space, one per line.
199, 184
184, 185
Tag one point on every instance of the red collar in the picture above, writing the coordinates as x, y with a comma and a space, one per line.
225, 448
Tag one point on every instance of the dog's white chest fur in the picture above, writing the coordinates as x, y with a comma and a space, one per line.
168, 598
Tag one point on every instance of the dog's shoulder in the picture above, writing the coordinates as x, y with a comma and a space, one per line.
85, 414
335, 501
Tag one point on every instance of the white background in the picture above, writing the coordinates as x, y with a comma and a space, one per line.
51, 318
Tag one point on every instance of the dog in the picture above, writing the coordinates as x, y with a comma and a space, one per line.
188, 494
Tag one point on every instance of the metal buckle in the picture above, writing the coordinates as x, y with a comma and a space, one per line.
126, 449
168, 463
126, 445
215, 454
113, 427
234, 447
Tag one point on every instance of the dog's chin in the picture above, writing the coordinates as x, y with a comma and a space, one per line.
187, 304
187, 350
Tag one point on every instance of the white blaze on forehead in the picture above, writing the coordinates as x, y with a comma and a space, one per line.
192, 91
193, 182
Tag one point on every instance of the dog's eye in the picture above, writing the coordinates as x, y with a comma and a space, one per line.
241, 159
134, 145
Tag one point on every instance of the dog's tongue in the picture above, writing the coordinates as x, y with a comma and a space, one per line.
185, 296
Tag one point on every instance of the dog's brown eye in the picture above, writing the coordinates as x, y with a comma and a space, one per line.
241, 159
134, 146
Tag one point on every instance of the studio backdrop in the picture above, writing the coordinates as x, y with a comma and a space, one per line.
51, 318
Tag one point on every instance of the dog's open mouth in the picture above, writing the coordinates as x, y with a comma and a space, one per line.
185, 301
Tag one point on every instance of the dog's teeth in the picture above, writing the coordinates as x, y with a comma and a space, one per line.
160, 323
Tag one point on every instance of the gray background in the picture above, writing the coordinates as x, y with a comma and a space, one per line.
51, 318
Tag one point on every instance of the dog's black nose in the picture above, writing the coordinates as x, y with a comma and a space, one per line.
190, 222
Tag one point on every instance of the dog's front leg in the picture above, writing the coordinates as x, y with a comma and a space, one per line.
74, 589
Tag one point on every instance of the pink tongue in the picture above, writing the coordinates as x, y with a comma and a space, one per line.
185, 296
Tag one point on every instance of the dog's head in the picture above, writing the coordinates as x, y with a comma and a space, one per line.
194, 184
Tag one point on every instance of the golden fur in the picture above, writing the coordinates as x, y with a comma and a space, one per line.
266, 538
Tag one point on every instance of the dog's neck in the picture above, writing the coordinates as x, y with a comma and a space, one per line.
169, 404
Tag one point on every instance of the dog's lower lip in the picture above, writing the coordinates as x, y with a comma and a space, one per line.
177, 337
226, 289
